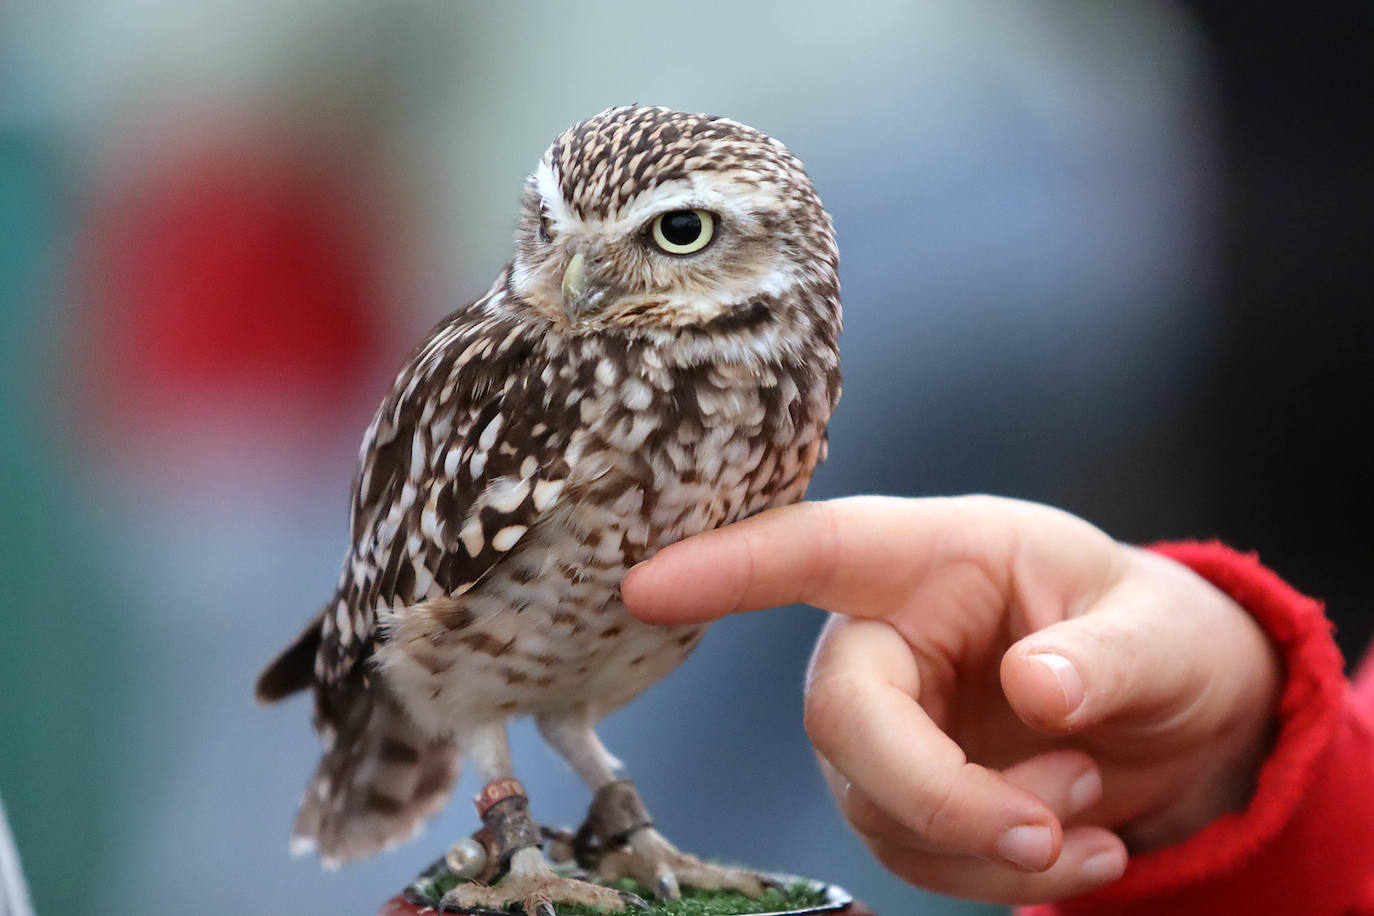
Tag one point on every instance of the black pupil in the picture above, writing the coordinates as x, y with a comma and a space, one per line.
681, 227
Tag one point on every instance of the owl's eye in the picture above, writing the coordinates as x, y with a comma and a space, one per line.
545, 228
683, 231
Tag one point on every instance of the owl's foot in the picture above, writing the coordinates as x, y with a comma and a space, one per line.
654, 862
618, 840
537, 888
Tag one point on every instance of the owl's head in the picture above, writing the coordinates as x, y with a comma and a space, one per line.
652, 220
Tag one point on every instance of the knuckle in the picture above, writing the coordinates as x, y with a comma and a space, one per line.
821, 519
938, 811
745, 573
943, 814
986, 506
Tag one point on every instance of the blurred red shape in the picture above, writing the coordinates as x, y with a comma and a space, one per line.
236, 271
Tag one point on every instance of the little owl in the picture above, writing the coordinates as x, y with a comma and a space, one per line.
658, 359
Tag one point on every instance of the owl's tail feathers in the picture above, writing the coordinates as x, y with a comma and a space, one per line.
374, 788
380, 776
293, 669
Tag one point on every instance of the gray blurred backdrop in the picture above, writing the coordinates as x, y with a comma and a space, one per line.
222, 227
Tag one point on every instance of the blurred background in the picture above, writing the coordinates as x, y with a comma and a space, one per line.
1105, 255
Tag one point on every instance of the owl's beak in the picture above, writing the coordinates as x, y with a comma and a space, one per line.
576, 295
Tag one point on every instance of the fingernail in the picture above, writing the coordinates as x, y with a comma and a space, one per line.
1027, 847
1103, 867
1067, 675
1085, 790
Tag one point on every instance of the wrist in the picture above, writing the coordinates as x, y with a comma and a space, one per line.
1224, 784
1235, 714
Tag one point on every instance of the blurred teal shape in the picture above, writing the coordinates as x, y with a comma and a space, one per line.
56, 695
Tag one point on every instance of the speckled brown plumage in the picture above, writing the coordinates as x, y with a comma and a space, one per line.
542, 441
605, 161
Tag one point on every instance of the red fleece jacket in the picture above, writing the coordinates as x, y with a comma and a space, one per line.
1305, 845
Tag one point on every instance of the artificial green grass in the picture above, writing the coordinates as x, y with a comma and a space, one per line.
693, 902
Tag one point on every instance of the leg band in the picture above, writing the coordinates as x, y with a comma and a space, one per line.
506, 820
495, 791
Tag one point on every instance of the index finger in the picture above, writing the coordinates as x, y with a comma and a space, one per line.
858, 556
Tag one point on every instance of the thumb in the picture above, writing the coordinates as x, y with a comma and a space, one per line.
1130, 656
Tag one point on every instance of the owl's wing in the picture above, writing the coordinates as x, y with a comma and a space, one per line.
461, 460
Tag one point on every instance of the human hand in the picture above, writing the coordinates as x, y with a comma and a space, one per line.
1006, 699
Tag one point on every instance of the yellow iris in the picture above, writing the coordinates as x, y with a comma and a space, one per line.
683, 231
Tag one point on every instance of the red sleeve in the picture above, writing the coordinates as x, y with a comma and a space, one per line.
1305, 845
1364, 682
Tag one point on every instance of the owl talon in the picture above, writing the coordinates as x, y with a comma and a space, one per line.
654, 862
634, 900
668, 888
536, 889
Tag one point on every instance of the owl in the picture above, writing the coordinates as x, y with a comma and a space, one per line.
658, 358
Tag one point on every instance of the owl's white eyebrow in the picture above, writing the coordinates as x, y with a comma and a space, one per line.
680, 194
690, 192
550, 195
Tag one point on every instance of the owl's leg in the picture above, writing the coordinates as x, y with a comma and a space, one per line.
528, 880
620, 828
